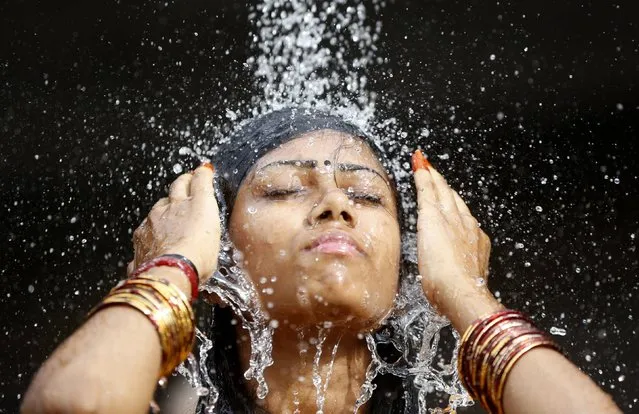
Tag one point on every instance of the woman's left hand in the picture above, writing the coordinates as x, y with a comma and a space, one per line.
453, 251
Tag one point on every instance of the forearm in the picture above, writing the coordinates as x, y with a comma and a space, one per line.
543, 380
110, 364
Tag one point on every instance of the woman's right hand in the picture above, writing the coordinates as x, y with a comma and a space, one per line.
187, 222
111, 363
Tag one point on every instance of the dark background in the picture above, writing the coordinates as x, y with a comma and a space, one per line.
93, 113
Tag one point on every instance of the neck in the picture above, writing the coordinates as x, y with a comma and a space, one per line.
312, 368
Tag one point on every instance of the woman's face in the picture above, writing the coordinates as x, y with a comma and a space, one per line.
316, 221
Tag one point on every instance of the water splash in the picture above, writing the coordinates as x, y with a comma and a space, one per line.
414, 330
321, 386
196, 373
231, 284
374, 368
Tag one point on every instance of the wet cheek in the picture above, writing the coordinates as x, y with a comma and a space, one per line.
271, 233
269, 229
381, 236
387, 250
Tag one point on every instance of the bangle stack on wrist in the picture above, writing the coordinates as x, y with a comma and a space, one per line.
178, 261
488, 351
164, 304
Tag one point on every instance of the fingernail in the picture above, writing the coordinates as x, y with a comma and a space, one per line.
419, 161
208, 165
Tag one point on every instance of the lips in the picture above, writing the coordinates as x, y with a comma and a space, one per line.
335, 242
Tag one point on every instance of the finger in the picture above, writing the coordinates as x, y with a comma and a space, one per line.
130, 268
426, 192
469, 221
180, 188
485, 248
444, 193
461, 205
163, 202
202, 182
138, 236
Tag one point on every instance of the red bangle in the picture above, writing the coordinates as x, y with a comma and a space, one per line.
174, 260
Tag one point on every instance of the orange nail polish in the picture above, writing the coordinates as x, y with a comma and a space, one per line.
419, 162
428, 164
208, 165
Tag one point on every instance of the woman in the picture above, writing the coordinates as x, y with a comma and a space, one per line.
314, 213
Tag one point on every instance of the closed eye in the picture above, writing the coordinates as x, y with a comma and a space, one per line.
368, 198
281, 193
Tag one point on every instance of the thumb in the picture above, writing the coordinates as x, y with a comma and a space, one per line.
130, 268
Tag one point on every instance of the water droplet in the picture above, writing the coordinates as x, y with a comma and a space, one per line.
539, 209
31, 288
177, 168
252, 210
202, 391
557, 331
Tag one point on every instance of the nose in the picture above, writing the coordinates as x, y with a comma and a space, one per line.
334, 206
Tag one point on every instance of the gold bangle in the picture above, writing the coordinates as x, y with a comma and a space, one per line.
167, 329
166, 307
181, 307
183, 319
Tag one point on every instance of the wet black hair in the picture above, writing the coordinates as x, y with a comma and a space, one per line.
236, 158
263, 134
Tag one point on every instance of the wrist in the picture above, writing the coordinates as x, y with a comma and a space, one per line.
466, 304
200, 265
173, 275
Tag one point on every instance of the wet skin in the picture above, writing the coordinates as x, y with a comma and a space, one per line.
317, 223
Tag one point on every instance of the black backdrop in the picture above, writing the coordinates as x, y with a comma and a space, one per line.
96, 97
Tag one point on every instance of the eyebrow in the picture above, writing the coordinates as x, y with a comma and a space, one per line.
295, 163
357, 167
308, 164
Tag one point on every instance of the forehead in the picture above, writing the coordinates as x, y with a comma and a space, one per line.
324, 145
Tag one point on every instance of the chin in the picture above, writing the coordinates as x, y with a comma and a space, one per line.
345, 305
